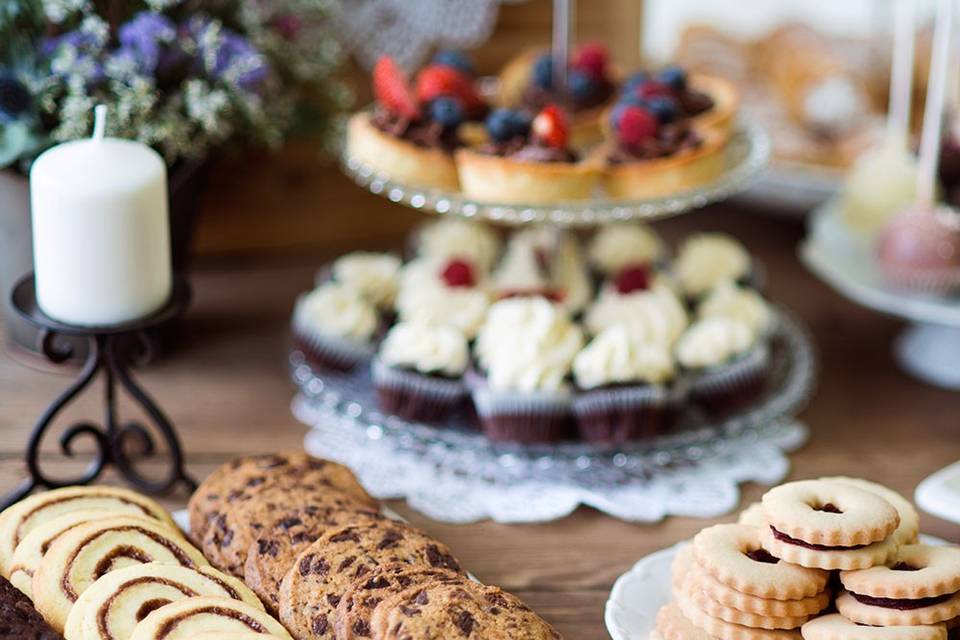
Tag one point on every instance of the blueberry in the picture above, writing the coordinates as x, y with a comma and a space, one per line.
500, 124
673, 77
543, 71
635, 81
581, 85
456, 59
664, 108
617, 113
633, 100
519, 123
447, 111
14, 97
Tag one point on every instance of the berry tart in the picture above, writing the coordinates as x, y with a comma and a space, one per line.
654, 152
527, 83
410, 135
525, 161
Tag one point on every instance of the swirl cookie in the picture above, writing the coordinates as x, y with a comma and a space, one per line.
187, 618
18, 619
232, 635
735, 556
88, 551
286, 534
836, 627
909, 527
458, 609
246, 477
311, 590
20, 519
687, 572
113, 605
362, 597
30, 551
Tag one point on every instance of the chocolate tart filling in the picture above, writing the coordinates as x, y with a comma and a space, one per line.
422, 133
901, 604
536, 98
670, 139
782, 537
519, 148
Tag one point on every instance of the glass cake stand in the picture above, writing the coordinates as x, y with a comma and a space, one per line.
456, 446
745, 156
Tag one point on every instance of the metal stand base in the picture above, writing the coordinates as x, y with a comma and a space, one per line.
932, 353
117, 443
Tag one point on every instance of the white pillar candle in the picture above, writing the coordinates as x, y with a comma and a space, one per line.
101, 235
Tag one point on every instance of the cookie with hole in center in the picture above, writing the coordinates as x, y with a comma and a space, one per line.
909, 527
723, 630
893, 612
836, 627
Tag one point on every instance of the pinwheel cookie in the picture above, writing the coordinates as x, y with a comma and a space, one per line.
185, 619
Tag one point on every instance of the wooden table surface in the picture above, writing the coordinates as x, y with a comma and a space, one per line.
228, 392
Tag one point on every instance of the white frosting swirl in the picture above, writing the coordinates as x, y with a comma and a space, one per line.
334, 309
571, 276
521, 269
528, 344
449, 239
434, 303
655, 315
617, 356
426, 348
713, 341
707, 259
374, 275
617, 246
731, 301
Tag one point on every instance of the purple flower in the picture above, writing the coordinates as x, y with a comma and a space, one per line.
148, 40
236, 55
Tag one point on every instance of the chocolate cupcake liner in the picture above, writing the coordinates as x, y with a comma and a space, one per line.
729, 386
529, 418
416, 396
330, 352
623, 414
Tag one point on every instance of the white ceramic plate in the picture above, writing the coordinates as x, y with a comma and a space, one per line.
939, 494
638, 594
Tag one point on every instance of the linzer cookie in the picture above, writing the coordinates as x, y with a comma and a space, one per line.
457, 609
672, 625
723, 630
312, 589
88, 551
20, 519
829, 525
246, 477
113, 605
18, 619
362, 597
909, 527
185, 619
836, 627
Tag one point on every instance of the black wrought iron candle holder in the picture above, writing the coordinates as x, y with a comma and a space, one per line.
117, 443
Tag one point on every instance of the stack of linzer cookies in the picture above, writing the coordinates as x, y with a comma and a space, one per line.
774, 575
292, 537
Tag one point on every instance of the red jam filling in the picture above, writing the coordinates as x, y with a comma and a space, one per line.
782, 537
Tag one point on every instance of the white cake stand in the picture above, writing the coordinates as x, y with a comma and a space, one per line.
930, 347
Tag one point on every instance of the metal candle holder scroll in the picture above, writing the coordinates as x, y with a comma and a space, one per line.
118, 444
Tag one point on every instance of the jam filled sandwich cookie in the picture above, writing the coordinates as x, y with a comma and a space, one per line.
829, 525
20, 519
311, 590
18, 618
920, 587
186, 618
113, 606
909, 527
88, 551
836, 627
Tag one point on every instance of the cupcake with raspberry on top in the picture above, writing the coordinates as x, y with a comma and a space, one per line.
410, 135
525, 161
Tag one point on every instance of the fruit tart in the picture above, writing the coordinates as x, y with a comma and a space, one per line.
527, 83
410, 136
654, 154
525, 161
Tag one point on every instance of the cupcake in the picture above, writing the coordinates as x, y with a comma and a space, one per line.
521, 388
334, 326
525, 162
625, 387
707, 259
418, 371
373, 275
651, 315
727, 360
448, 292
459, 239
624, 245
729, 300
410, 136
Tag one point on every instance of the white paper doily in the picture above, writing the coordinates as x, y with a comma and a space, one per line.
705, 489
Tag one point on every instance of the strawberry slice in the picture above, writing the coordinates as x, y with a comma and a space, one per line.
438, 80
392, 89
551, 126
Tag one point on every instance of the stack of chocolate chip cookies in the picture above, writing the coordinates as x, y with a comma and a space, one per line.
769, 576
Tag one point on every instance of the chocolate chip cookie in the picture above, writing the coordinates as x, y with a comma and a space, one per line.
247, 477
358, 603
461, 609
321, 575
18, 619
